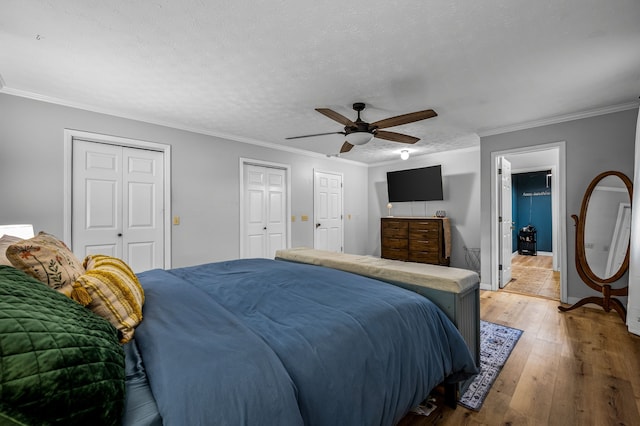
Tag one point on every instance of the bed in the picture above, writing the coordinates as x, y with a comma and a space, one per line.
259, 341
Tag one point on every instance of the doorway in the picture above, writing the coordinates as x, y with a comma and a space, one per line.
532, 260
535, 158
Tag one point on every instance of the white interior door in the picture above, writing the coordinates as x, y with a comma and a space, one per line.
142, 205
265, 211
328, 215
97, 199
117, 203
505, 221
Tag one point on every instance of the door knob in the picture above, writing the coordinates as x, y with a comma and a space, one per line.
318, 225
119, 235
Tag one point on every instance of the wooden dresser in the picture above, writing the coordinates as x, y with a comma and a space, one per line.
416, 239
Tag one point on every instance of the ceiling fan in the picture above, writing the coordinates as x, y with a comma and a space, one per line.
359, 132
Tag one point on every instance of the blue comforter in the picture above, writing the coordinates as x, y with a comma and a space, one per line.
260, 341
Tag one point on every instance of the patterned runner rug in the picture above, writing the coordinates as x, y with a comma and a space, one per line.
496, 343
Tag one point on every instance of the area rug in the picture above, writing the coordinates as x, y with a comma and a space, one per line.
496, 343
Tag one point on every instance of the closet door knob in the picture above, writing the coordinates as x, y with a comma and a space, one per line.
120, 235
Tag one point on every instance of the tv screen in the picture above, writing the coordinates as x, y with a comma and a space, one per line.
423, 184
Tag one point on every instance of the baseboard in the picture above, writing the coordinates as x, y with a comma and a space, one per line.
485, 286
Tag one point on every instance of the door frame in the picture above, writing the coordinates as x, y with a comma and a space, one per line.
559, 188
71, 134
315, 207
287, 173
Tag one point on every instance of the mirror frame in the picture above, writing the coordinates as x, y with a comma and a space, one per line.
581, 259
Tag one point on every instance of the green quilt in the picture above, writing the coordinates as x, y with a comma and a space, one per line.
60, 364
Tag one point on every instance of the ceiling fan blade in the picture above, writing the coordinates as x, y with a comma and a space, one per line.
346, 147
404, 119
317, 134
335, 116
395, 137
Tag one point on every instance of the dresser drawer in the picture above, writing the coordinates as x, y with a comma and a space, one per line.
430, 245
395, 233
395, 243
395, 254
424, 234
424, 257
394, 224
395, 229
425, 226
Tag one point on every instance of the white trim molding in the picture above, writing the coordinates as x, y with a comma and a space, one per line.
559, 225
558, 119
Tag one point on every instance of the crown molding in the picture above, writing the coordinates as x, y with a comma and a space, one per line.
558, 119
144, 119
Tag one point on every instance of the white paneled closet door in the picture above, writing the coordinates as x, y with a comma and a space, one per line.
264, 211
118, 203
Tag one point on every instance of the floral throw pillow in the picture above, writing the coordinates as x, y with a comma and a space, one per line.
47, 259
5, 242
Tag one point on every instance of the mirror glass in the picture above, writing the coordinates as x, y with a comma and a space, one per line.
607, 227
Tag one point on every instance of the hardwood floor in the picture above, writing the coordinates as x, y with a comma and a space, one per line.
534, 275
575, 368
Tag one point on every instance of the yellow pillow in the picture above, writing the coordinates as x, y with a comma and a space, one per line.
113, 291
47, 259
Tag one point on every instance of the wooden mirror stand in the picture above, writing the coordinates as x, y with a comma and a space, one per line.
600, 282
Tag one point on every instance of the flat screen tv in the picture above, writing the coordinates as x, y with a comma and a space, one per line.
423, 184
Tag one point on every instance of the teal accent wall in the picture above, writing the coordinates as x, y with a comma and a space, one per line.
532, 206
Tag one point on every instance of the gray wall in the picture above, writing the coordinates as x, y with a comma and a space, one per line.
593, 145
461, 190
204, 179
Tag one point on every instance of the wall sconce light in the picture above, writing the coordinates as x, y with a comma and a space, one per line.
389, 207
404, 154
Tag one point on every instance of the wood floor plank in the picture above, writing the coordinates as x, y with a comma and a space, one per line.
534, 392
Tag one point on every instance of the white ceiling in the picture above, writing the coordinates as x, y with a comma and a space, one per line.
254, 71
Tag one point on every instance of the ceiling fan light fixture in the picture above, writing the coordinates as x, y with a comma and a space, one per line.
359, 138
404, 154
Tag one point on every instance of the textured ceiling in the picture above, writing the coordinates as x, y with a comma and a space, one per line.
254, 71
